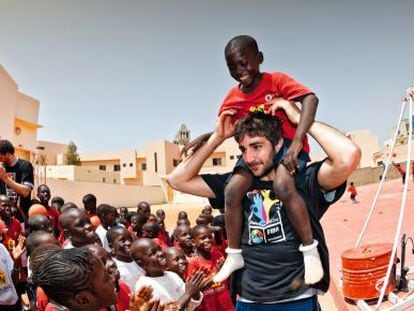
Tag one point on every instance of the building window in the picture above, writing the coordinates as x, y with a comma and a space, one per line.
155, 162
103, 179
216, 161
123, 164
114, 181
131, 165
144, 166
239, 156
102, 167
117, 168
232, 157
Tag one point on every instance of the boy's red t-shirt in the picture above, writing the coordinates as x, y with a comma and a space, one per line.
12, 234
272, 85
217, 297
54, 218
123, 297
352, 190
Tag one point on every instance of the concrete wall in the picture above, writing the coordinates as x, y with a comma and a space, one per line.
369, 144
82, 173
117, 195
370, 175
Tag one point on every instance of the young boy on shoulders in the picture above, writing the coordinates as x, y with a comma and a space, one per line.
259, 91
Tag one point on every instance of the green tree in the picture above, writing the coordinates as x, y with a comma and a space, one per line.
72, 157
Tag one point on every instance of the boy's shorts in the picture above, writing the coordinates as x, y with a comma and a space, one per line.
303, 159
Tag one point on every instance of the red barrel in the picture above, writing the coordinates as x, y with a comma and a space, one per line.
364, 269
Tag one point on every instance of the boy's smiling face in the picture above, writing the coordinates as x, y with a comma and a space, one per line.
243, 65
121, 245
203, 239
183, 236
149, 256
80, 229
176, 260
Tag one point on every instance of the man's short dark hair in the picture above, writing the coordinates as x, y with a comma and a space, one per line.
240, 43
6, 147
259, 124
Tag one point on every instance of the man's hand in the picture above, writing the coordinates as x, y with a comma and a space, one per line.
225, 124
409, 94
3, 174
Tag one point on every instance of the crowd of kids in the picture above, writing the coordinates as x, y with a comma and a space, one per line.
112, 258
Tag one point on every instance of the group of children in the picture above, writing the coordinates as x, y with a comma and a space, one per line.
104, 258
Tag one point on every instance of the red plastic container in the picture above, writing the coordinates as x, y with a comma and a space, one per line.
364, 269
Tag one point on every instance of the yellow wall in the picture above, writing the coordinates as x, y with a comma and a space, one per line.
117, 195
8, 99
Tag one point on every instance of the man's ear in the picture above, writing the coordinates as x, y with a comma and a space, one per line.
279, 145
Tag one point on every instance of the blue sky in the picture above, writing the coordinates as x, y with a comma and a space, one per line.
111, 75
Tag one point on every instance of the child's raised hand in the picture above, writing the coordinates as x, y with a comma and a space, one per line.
19, 249
193, 284
194, 145
291, 110
290, 159
141, 301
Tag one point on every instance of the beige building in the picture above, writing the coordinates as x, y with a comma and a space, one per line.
401, 146
369, 144
19, 117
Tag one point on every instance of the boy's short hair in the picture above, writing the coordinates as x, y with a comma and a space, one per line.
240, 43
113, 232
104, 209
6, 147
58, 200
259, 124
88, 198
197, 229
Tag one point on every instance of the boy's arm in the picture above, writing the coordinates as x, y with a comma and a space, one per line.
309, 105
195, 144
185, 176
343, 154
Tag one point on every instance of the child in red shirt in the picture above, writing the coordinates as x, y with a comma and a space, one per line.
354, 193
43, 193
217, 296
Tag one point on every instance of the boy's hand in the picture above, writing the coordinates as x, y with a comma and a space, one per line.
290, 159
194, 145
19, 249
291, 110
193, 285
141, 301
